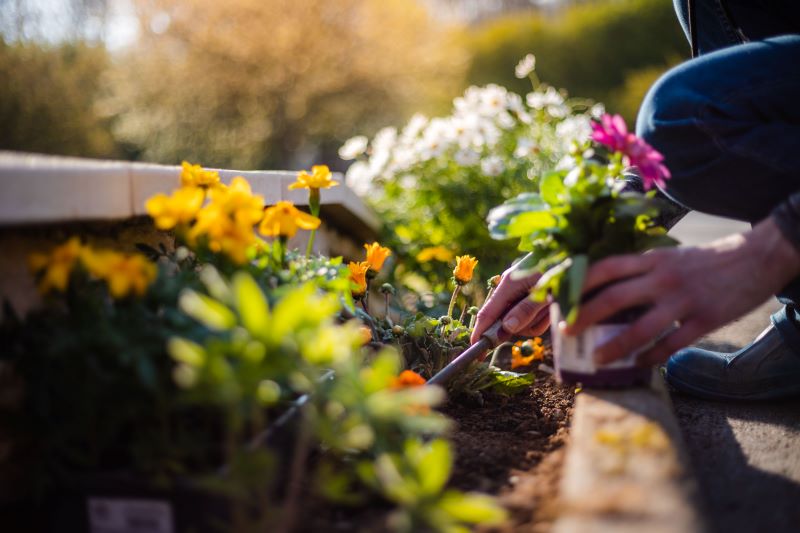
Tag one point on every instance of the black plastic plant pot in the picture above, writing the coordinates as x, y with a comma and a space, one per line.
574, 355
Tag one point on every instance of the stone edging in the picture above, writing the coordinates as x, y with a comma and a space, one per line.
40, 189
626, 468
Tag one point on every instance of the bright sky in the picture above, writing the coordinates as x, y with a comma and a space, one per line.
49, 19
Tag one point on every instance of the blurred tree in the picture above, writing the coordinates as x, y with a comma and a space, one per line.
265, 83
47, 95
590, 49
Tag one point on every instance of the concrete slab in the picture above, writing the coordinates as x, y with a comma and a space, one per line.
746, 456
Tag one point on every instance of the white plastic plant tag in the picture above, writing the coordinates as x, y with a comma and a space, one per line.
115, 515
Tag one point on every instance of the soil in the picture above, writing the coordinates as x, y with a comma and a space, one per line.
512, 448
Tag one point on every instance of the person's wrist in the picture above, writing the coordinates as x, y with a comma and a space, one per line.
779, 256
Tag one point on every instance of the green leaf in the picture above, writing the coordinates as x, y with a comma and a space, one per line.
530, 223
500, 216
507, 382
472, 508
577, 275
207, 311
186, 351
552, 187
251, 304
434, 467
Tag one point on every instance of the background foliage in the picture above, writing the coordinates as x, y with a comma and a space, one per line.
234, 85
599, 50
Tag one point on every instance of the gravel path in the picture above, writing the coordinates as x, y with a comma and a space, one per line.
746, 456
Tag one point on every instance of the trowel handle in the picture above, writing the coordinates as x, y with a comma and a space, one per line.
490, 338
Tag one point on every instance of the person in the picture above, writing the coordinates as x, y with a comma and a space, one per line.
728, 123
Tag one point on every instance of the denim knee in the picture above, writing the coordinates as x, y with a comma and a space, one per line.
669, 121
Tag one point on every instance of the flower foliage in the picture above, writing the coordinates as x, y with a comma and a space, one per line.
319, 178
523, 353
465, 267
581, 213
358, 277
376, 255
611, 132
284, 219
434, 180
124, 274
55, 268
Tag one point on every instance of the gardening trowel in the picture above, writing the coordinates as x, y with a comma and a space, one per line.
490, 339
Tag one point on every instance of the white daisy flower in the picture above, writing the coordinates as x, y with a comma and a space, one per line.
577, 128
353, 147
525, 147
359, 177
492, 166
467, 157
525, 66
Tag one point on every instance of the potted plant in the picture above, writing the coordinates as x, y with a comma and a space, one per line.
584, 212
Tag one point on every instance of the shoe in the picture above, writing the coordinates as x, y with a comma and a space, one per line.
765, 369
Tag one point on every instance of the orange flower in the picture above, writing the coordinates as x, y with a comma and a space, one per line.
407, 378
320, 178
524, 353
284, 219
376, 255
358, 277
366, 334
465, 265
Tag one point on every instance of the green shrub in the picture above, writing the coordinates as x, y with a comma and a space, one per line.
589, 49
47, 96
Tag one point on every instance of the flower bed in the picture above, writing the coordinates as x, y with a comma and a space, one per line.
248, 378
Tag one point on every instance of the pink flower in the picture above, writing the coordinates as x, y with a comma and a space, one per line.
612, 132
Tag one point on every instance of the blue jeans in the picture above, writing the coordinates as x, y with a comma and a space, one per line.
728, 121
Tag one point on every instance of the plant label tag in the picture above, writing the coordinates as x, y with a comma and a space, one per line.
116, 515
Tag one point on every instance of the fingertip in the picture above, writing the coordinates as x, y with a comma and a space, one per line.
511, 324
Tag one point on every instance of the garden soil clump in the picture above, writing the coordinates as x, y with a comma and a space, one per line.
513, 448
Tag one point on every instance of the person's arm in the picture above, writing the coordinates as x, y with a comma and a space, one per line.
692, 289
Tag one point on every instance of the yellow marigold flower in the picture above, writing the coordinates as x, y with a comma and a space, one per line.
124, 273
232, 239
56, 267
438, 253
376, 255
180, 208
465, 265
358, 276
407, 378
238, 201
195, 176
524, 353
284, 219
320, 178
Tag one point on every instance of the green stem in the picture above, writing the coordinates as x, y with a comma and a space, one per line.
313, 206
453, 300
281, 242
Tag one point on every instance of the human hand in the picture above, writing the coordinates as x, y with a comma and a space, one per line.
510, 301
693, 289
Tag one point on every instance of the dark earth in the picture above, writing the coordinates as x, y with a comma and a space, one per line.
510, 447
